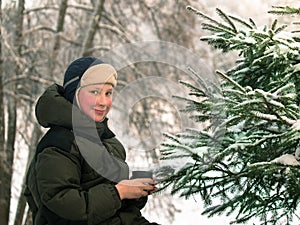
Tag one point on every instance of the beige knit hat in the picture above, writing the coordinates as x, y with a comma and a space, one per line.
99, 74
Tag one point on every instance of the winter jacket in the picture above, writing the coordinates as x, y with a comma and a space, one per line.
62, 188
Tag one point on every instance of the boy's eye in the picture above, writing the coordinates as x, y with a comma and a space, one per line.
94, 92
109, 93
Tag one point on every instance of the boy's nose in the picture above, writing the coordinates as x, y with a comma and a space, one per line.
100, 100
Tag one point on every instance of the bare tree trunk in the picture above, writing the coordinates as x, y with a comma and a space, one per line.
36, 134
4, 206
88, 42
59, 29
28, 220
20, 209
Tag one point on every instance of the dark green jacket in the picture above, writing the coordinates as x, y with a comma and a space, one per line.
62, 187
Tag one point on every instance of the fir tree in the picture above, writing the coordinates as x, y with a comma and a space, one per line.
247, 160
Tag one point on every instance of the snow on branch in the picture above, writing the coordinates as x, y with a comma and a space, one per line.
296, 125
286, 160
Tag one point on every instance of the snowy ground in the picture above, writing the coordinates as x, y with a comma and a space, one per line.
190, 215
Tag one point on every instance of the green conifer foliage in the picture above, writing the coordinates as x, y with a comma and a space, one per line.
247, 158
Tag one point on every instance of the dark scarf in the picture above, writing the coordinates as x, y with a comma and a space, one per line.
91, 139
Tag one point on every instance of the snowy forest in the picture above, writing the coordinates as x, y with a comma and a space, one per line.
210, 88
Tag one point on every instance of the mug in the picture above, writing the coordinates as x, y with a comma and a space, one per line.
142, 174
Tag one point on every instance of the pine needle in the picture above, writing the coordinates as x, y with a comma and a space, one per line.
226, 19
